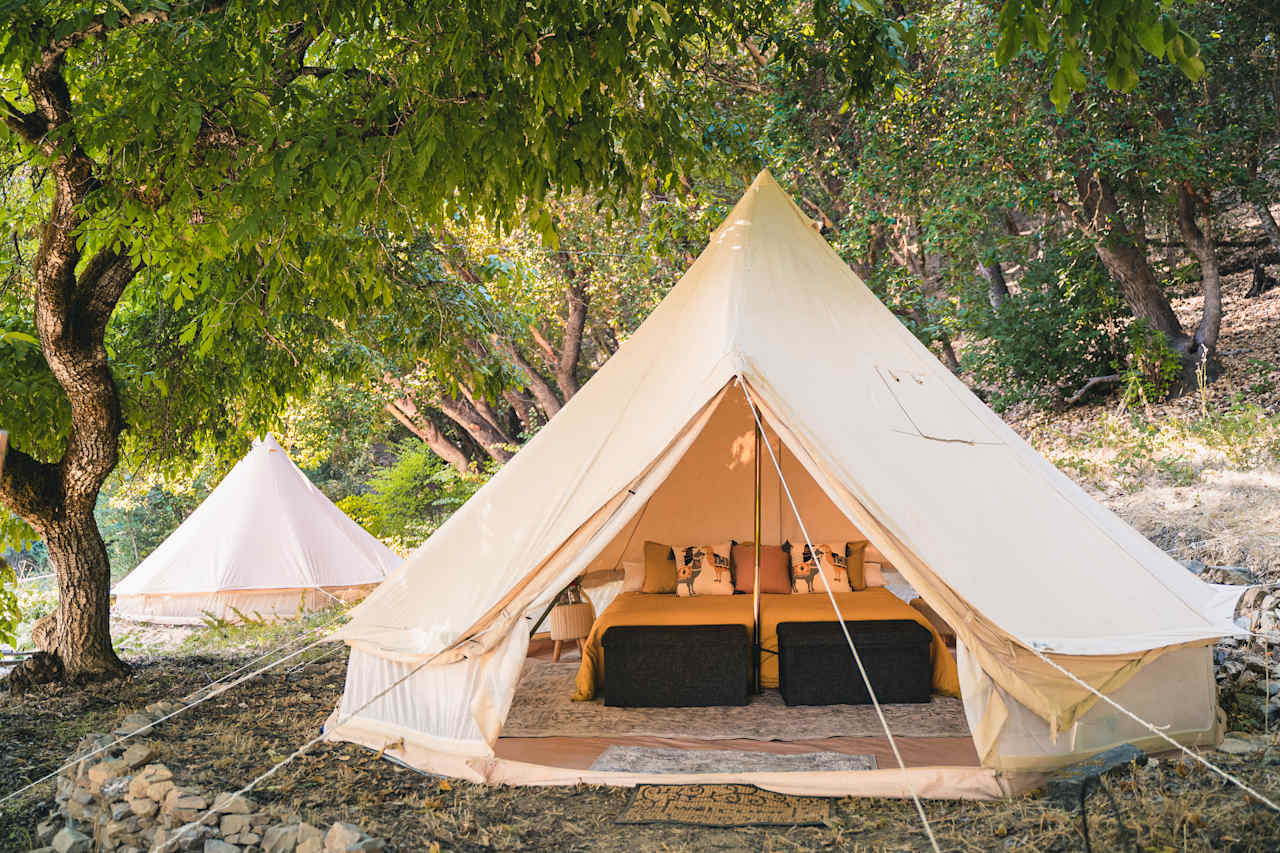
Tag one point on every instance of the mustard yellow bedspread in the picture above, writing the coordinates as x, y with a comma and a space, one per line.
639, 608
876, 603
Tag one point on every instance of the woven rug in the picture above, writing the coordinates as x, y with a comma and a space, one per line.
544, 707
651, 759
723, 805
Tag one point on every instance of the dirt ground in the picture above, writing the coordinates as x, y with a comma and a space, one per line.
224, 742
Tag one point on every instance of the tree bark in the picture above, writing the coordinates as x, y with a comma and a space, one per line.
1199, 240
486, 411
404, 411
1268, 221
541, 389
523, 404
1099, 216
997, 287
490, 439
71, 315
571, 346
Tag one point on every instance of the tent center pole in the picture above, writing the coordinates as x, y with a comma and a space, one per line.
755, 596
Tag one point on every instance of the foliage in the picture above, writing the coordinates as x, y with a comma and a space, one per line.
9, 614
407, 501
1117, 34
1065, 325
1151, 367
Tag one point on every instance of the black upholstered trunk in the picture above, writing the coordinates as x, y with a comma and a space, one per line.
817, 668
676, 666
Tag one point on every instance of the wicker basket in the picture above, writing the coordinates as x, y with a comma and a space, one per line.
571, 621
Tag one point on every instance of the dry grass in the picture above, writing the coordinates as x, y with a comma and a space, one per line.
223, 743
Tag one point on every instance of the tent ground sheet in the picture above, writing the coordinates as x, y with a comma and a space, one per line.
546, 727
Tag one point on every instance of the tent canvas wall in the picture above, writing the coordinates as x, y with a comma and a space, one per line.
881, 438
265, 541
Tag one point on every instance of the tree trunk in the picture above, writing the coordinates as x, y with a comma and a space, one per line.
571, 347
541, 389
997, 287
1200, 243
481, 405
82, 631
424, 428
461, 412
523, 404
1099, 216
1268, 221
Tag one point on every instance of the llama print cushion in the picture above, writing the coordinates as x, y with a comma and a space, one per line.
703, 570
804, 568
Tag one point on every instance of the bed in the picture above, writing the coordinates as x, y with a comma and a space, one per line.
875, 603
638, 608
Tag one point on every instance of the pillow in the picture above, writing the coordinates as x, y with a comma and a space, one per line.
855, 555
774, 573
872, 574
659, 568
632, 575
703, 570
835, 561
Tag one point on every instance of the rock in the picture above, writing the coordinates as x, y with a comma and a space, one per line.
1236, 575
42, 850
280, 839
143, 806
119, 811
342, 837
246, 838
185, 804
311, 845
229, 803
234, 824
1238, 746
369, 845
138, 754
307, 832
46, 829
135, 724
67, 840
116, 789
147, 776
104, 770
159, 790
213, 845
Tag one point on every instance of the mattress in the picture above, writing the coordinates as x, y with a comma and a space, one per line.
875, 603
639, 608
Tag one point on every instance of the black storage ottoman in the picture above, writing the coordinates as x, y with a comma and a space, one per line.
676, 666
817, 668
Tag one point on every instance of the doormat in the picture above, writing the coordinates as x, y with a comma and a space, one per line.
723, 805
650, 759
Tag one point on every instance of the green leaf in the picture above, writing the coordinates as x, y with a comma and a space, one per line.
1059, 92
1151, 37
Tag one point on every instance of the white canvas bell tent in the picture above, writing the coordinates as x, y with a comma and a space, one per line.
266, 541
877, 440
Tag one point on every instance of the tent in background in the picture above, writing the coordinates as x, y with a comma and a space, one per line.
878, 440
266, 541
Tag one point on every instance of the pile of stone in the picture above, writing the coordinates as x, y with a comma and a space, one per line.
1248, 668
120, 799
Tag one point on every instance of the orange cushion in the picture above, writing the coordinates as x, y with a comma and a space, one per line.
775, 574
659, 568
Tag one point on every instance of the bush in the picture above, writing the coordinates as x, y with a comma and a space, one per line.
1065, 325
1151, 368
407, 501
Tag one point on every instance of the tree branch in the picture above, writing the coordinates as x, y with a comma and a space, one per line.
1091, 384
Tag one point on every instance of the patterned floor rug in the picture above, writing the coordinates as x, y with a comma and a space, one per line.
723, 805
649, 759
543, 707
